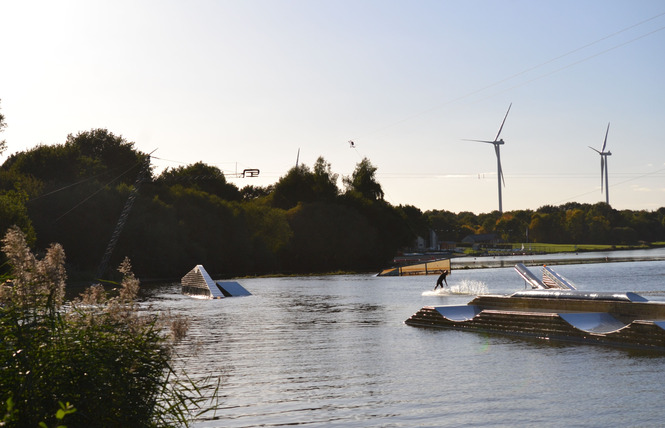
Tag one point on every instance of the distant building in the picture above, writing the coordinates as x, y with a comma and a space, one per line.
420, 243
447, 245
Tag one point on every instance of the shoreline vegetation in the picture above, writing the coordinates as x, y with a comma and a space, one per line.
95, 194
578, 255
91, 361
526, 259
537, 255
548, 248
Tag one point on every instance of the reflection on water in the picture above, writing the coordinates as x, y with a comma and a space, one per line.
334, 351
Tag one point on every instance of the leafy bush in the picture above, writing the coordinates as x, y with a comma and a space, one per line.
109, 359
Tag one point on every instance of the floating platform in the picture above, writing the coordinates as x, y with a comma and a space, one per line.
615, 319
431, 267
198, 283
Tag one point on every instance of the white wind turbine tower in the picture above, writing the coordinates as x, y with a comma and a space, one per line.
497, 143
603, 167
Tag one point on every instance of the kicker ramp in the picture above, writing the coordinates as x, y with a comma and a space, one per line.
458, 313
198, 283
593, 322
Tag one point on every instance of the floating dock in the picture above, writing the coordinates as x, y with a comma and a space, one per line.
603, 318
430, 267
198, 283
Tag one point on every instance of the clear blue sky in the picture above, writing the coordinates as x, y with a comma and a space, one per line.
246, 84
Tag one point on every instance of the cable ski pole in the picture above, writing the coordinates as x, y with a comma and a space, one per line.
103, 265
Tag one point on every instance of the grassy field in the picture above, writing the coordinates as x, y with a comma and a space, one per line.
560, 248
570, 248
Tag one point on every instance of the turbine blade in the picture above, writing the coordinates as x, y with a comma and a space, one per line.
602, 171
504, 121
479, 141
594, 150
606, 132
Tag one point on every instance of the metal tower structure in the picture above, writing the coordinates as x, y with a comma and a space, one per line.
143, 174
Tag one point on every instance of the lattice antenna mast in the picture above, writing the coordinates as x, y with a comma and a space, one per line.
143, 174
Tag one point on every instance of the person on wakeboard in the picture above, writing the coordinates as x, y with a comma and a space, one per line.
442, 279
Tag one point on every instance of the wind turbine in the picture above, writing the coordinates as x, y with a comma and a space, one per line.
603, 166
497, 143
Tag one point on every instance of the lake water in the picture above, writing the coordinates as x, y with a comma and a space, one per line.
334, 351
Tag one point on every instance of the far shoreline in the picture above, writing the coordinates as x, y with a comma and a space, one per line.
605, 256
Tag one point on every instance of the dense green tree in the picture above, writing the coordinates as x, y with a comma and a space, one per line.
13, 212
573, 206
511, 228
14, 193
644, 223
251, 192
325, 181
97, 155
416, 221
363, 181
296, 186
202, 177
3, 125
391, 224
468, 220
599, 229
28, 185
488, 224
270, 233
198, 228
52, 165
575, 225
82, 217
624, 235
155, 237
100, 151
330, 237
548, 209
301, 184
446, 225
546, 227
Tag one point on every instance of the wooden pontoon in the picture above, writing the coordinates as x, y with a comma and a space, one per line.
430, 267
604, 318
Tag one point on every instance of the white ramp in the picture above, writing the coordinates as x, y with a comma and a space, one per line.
554, 280
232, 289
198, 283
593, 322
529, 277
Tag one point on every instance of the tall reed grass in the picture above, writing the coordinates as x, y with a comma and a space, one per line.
95, 361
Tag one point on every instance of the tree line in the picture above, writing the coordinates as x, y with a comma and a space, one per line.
74, 193
570, 223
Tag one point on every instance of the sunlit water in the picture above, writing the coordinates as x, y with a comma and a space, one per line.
465, 287
334, 351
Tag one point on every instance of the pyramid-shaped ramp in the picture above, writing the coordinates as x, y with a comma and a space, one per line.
198, 283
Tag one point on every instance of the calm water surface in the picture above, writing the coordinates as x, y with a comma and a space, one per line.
334, 351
